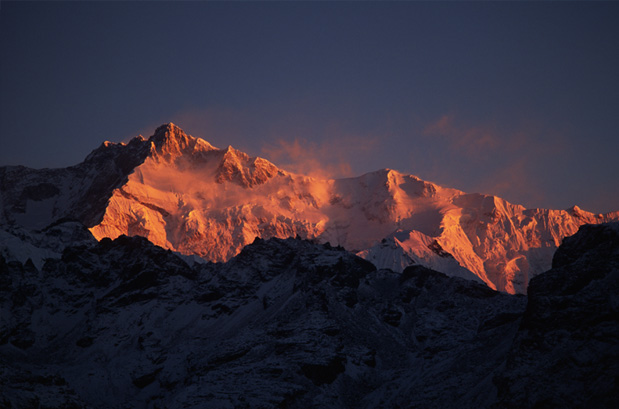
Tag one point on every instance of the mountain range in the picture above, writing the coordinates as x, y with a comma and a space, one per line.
167, 273
183, 194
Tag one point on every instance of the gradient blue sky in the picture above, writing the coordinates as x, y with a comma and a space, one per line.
520, 100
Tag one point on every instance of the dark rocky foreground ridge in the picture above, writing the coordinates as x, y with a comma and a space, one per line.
293, 324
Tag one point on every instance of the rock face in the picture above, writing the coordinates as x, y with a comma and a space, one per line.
183, 194
566, 353
293, 324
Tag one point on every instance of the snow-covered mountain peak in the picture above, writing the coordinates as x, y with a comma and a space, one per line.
136, 148
170, 145
233, 158
401, 184
240, 168
231, 151
169, 142
166, 132
184, 194
576, 211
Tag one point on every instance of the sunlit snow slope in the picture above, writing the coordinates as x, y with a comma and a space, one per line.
186, 195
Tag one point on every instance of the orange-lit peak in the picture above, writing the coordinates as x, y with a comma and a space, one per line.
168, 132
230, 152
169, 141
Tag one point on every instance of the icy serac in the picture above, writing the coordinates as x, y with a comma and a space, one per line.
183, 194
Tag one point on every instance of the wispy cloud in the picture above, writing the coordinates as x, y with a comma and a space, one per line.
475, 139
470, 140
507, 161
516, 182
324, 159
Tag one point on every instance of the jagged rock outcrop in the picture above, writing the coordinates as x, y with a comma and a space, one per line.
566, 353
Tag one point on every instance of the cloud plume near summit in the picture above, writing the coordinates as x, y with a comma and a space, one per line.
510, 159
324, 159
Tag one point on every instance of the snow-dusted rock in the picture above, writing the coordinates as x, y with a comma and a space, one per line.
286, 323
290, 323
19, 244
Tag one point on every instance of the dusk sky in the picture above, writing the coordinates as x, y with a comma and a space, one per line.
516, 99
